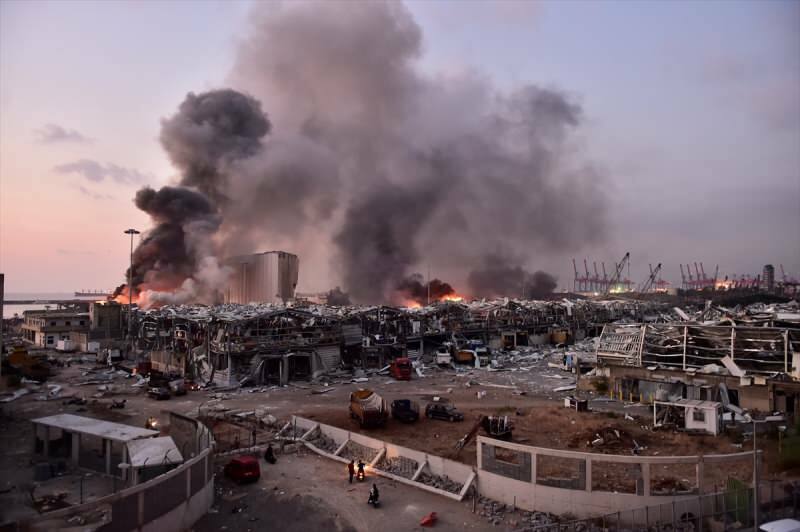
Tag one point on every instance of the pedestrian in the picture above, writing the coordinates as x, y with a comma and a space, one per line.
351, 468
269, 455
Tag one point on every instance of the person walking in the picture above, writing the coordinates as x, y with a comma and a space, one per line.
351, 468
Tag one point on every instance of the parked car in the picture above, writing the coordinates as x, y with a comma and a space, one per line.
243, 469
443, 411
405, 410
159, 392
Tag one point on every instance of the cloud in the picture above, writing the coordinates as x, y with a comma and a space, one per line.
93, 195
96, 172
52, 133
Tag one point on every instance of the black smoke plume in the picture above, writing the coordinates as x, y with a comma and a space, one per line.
415, 288
499, 277
337, 298
366, 159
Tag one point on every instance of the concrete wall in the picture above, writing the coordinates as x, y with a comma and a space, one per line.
437, 465
514, 479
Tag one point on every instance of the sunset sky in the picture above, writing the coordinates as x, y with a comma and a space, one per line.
693, 115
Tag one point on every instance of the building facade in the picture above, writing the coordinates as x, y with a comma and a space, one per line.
269, 277
44, 328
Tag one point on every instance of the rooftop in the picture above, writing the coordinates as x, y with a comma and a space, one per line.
95, 427
154, 452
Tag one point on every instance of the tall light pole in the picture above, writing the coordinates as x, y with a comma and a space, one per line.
130, 288
755, 478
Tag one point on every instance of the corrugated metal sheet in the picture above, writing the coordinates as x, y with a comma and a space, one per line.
351, 334
330, 355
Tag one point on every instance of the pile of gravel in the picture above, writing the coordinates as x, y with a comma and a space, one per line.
322, 442
441, 482
399, 465
356, 451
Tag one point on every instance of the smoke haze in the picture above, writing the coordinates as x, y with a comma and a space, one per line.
369, 167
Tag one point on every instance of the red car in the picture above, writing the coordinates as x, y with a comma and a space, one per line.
243, 469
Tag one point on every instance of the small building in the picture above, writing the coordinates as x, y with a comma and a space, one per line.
45, 328
697, 415
86, 442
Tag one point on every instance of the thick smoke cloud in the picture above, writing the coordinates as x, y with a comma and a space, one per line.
337, 298
499, 277
179, 246
208, 133
372, 164
415, 288
432, 170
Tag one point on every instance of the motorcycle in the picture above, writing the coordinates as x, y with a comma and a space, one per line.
373, 499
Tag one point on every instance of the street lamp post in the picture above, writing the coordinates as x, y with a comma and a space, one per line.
755, 478
130, 288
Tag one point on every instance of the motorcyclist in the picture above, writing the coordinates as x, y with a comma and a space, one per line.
374, 494
361, 473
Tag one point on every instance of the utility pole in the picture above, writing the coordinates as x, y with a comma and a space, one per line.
130, 289
2, 301
755, 479
429, 286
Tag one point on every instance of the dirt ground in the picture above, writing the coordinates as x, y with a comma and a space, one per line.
527, 397
308, 493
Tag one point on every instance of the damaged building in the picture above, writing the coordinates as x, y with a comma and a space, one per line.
274, 343
742, 367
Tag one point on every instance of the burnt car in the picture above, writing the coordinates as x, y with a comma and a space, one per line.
159, 392
243, 469
444, 411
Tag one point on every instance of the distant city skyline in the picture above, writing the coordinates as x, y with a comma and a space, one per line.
692, 116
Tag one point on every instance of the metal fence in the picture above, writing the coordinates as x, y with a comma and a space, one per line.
728, 510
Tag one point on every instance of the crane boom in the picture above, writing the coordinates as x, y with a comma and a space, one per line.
618, 272
648, 284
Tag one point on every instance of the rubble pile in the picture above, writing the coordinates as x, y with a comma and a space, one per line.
356, 451
399, 465
442, 482
496, 513
322, 442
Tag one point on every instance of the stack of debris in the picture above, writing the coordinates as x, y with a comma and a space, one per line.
442, 482
399, 465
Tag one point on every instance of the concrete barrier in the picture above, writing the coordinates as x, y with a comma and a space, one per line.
436, 465
512, 478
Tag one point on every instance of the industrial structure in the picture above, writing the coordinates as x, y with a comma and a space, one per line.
269, 277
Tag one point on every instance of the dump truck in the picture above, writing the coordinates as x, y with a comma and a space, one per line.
401, 369
369, 408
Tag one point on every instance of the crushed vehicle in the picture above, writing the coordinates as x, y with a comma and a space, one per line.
405, 410
444, 354
243, 469
444, 411
368, 408
159, 392
400, 369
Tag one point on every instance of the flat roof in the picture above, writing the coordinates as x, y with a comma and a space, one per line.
694, 403
96, 427
151, 452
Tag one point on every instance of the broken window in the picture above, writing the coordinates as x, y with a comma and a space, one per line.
699, 415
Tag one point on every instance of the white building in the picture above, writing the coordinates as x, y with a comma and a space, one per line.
269, 277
